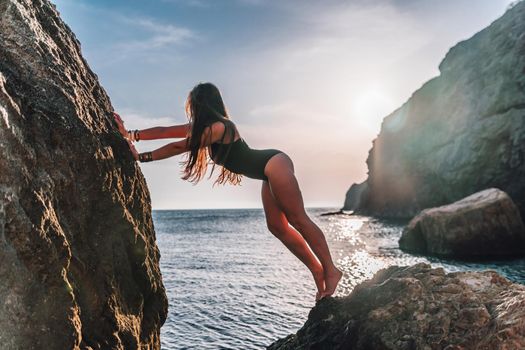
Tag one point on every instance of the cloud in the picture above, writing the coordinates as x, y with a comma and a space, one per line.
123, 34
251, 2
191, 3
209, 3
158, 35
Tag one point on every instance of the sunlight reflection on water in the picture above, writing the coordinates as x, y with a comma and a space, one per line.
231, 284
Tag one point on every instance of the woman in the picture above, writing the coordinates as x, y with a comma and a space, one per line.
210, 134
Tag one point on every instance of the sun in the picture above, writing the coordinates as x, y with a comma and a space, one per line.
369, 107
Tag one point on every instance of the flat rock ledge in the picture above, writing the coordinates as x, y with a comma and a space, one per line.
482, 225
418, 307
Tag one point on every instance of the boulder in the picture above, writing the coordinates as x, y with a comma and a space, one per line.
354, 195
460, 133
418, 307
485, 224
79, 262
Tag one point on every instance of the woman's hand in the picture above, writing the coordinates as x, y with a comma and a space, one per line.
133, 150
120, 124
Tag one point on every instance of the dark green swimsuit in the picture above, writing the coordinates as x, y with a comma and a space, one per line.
239, 158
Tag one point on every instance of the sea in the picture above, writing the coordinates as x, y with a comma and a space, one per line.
232, 285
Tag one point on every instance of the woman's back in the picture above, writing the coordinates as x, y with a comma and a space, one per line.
238, 157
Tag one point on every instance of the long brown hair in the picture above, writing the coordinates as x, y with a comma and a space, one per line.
204, 106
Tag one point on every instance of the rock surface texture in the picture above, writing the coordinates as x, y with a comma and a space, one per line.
481, 225
460, 133
419, 308
79, 263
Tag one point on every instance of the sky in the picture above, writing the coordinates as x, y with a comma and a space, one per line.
312, 78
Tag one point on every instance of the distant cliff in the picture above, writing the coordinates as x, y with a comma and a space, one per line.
460, 133
79, 263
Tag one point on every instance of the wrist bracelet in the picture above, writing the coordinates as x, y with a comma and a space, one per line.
133, 135
145, 157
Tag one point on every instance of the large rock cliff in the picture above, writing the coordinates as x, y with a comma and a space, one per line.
460, 133
79, 263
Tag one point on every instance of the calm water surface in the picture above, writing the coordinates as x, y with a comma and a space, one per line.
232, 285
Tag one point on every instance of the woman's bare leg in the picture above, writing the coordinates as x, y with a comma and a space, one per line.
279, 227
285, 190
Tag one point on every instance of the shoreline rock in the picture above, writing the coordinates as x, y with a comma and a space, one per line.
332, 213
418, 307
485, 224
354, 196
80, 265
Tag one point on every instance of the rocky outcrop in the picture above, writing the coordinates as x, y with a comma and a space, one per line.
418, 307
485, 224
354, 195
80, 266
461, 132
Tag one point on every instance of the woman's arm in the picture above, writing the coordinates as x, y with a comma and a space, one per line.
164, 132
182, 146
169, 150
158, 132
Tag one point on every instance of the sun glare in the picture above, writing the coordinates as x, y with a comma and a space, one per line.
369, 107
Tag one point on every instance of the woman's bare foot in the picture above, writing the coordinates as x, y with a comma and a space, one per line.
318, 275
331, 280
